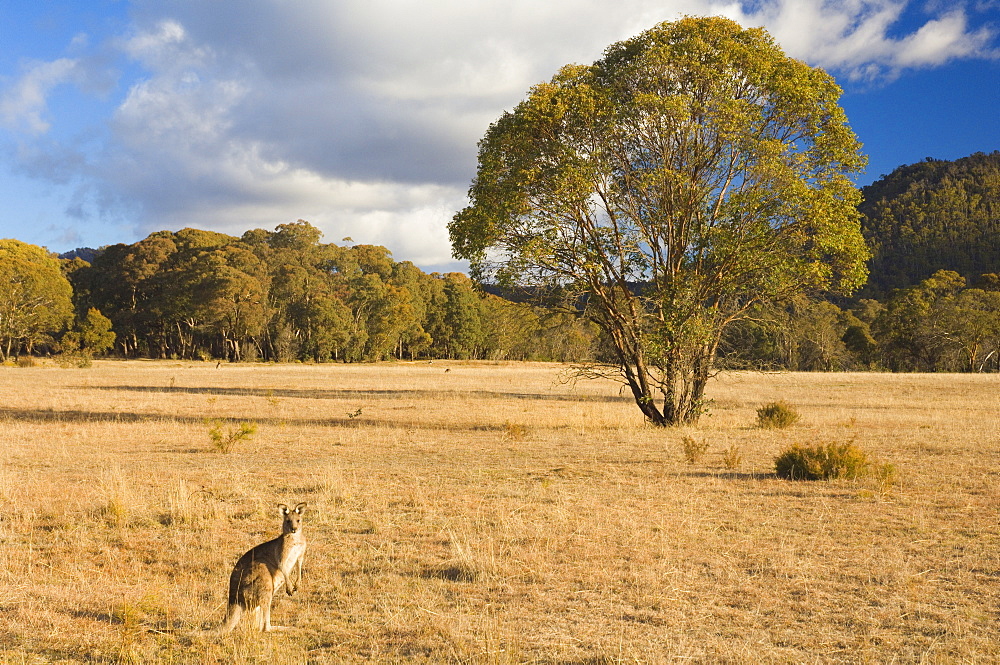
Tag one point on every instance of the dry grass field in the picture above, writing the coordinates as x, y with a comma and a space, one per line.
487, 513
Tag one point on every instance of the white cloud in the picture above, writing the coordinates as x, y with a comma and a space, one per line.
940, 40
23, 105
857, 37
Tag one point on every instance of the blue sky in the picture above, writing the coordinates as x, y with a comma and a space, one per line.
123, 117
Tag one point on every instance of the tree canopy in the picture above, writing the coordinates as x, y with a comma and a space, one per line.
35, 297
693, 172
285, 295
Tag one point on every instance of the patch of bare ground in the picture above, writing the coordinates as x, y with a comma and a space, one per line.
491, 514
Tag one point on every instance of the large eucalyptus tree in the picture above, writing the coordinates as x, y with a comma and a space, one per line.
691, 173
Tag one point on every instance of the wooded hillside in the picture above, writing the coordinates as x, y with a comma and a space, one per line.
930, 216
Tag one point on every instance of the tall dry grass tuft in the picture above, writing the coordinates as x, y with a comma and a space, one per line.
188, 505
694, 450
732, 458
121, 503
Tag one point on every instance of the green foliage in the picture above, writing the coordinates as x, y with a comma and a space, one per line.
777, 415
858, 340
930, 216
35, 298
285, 296
576, 195
69, 360
226, 439
801, 334
693, 449
939, 325
733, 457
93, 335
823, 462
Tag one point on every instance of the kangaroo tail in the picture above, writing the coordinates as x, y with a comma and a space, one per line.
233, 613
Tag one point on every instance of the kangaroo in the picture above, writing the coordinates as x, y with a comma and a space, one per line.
260, 573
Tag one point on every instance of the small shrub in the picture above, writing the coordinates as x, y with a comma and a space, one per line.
514, 431
25, 361
777, 415
822, 462
116, 512
733, 457
78, 359
693, 450
886, 475
226, 441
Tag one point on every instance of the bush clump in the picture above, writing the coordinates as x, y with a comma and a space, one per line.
822, 462
777, 415
733, 457
225, 441
694, 450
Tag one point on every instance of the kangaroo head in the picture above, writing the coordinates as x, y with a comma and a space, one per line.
292, 517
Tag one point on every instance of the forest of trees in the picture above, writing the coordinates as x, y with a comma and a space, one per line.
933, 303
930, 216
286, 296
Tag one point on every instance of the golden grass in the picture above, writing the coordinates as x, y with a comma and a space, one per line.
491, 514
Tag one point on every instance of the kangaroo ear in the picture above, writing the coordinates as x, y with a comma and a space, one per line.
283, 509
300, 507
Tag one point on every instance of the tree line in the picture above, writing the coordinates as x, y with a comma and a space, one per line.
931, 304
285, 296
941, 324
275, 296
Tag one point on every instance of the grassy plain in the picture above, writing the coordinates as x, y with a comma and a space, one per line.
487, 513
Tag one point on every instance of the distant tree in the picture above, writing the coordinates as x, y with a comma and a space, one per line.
455, 318
507, 328
915, 328
125, 282
801, 334
35, 297
971, 322
238, 302
309, 317
859, 342
416, 289
93, 334
988, 282
566, 337
691, 173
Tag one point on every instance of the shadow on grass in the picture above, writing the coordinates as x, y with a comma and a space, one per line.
731, 475
129, 620
42, 416
451, 572
354, 394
